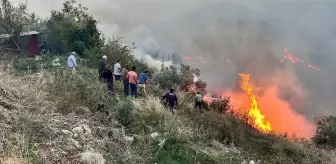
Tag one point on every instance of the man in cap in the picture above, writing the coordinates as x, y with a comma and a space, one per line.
72, 64
102, 67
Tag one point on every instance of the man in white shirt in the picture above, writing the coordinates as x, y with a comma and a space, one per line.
117, 71
72, 64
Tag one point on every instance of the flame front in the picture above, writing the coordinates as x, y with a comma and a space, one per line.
256, 118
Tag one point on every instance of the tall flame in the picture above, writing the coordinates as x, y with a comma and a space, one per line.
256, 118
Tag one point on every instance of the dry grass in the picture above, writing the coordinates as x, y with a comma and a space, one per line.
32, 127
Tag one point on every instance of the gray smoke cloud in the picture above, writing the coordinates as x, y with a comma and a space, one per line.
251, 34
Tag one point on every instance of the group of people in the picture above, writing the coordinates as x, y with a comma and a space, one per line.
130, 79
170, 99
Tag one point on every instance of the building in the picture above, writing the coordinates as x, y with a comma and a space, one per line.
28, 42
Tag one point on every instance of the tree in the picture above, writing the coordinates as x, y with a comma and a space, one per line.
13, 19
175, 58
73, 29
187, 77
167, 78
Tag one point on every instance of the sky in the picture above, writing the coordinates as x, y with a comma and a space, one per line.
252, 35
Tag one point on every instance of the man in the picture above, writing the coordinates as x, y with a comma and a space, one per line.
125, 80
102, 67
43, 47
72, 64
198, 101
117, 71
143, 82
133, 82
108, 78
171, 98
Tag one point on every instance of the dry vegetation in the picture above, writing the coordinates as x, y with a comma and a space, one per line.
36, 129
51, 117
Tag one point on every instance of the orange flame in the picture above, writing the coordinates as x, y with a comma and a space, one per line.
258, 119
293, 59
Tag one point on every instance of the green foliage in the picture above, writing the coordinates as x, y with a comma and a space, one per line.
175, 151
326, 132
167, 78
187, 77
125, 113
46, 62
72, 29
13, 18
182, 78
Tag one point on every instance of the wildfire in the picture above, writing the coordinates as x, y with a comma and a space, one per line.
257, 118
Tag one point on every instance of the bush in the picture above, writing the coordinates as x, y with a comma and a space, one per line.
182, 78
125, 114
326, 132
167, 78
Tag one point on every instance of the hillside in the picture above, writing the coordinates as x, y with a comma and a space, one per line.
52, 117
48, 115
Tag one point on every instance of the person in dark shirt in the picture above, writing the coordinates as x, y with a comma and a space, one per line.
171, 99
43, 47
108, 78
102, 67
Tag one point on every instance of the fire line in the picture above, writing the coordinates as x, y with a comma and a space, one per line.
256, 118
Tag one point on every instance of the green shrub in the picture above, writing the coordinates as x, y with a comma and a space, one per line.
326, 132
175, 150
125, 112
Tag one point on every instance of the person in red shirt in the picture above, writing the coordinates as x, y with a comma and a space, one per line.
133, 82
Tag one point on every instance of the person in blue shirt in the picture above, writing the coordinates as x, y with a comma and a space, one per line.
171, 99
143, 81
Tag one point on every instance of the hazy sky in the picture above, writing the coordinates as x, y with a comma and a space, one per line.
251, 33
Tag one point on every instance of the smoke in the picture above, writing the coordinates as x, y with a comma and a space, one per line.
251, 34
